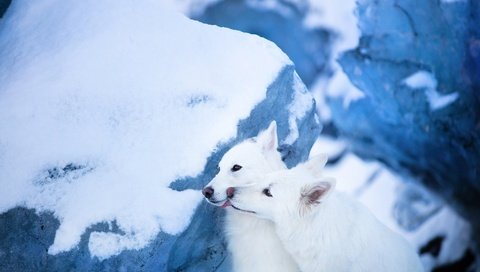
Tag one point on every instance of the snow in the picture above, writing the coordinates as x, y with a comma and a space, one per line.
271, 5
380, 199
438, 101
189, 7
421, 79
300, 105
340, 86
329, 146
426, 80
453, 1
340, 18
105, 103
353, 174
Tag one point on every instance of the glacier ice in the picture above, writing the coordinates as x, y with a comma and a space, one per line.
114, 114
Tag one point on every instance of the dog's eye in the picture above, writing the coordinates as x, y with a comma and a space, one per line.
236, 167
266, 192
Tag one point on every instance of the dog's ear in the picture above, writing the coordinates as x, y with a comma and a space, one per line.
316, 164
317, 192
268, 138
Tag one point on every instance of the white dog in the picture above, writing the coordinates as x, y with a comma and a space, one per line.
252, 241
322, 229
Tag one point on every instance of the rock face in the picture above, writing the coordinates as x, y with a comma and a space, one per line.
110, 125
3, 6
418, 65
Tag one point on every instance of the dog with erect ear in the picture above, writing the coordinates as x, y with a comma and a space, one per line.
258, 197
252, 241
322, 229
245, 161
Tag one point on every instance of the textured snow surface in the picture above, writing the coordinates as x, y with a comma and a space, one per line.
340, 19
105, 103
282, 22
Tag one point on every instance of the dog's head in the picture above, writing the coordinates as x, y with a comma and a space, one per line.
294, 192
243, 164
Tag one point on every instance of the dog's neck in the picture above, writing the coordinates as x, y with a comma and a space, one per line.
324, 225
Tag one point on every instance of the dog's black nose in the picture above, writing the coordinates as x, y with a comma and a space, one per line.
208, 192
230, 192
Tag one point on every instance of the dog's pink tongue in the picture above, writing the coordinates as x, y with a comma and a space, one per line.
226, 204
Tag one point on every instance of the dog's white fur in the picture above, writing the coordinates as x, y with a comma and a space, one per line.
325, 230
252, 241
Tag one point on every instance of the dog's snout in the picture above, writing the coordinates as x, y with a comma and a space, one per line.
208, 192
230, 192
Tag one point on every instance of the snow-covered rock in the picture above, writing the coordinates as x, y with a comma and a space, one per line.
286, 23
417, 64
113, 115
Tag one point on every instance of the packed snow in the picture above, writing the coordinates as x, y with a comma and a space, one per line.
105, 103
301, 103
340, 18
453, 1
421, 79
426, 80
